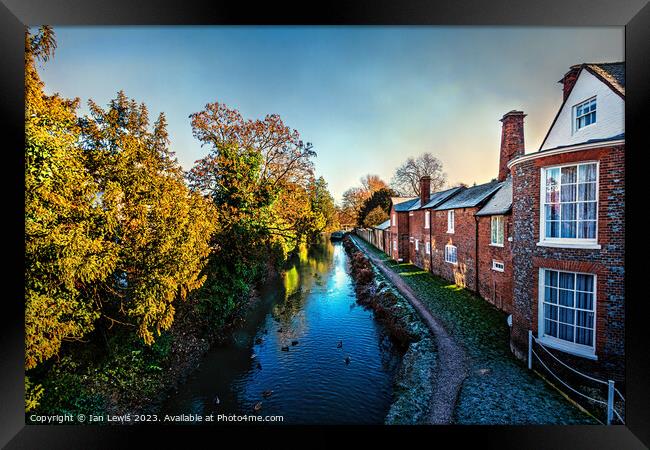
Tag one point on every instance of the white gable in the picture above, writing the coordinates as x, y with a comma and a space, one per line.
610, 114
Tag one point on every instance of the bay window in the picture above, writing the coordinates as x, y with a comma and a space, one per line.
569, 203
567, 311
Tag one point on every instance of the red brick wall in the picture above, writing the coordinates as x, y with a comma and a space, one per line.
400, 232
417, 231
495, 286
607, 262
464, 238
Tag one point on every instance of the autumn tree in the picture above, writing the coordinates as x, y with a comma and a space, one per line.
375, 217
354, 197
259, 174
66, 251
161, 229
379, 199
406, 180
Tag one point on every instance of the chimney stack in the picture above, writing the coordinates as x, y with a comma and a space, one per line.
569, 80
425, 190
512, 140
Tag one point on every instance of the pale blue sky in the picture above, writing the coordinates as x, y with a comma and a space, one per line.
366, 97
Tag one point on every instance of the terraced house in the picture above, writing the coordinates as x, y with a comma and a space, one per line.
544, 241
569, 224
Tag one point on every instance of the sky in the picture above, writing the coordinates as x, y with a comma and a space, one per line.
366, 97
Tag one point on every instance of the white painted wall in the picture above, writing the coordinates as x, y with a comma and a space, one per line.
610, 114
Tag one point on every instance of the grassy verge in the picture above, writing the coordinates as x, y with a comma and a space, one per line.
499, 388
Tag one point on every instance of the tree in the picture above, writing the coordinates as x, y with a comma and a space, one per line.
161, 229
66, 252
376, 216
285, 170
406, 180
354, 198
372, 183
379, 199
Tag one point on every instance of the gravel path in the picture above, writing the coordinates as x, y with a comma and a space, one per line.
452, 370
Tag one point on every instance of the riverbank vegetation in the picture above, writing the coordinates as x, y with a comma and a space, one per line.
133, 267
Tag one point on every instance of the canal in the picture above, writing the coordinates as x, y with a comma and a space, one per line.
289, 346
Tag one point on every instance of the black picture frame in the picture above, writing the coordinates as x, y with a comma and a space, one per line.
634, 15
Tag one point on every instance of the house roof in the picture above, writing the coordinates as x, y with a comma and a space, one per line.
383, 226
613, 74
470, 197
438, 197
501, 201
402, 204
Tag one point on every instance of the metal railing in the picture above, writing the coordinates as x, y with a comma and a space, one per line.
612, 391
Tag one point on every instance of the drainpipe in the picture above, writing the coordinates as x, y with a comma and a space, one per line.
476, 283
430, 241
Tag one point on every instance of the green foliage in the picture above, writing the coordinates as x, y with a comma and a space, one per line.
378, 202
161, 229
66, 252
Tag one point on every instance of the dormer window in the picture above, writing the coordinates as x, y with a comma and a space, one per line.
585, 113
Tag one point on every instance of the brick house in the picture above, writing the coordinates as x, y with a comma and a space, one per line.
495, 238
454, 234
399, 227
545, 240
569, 224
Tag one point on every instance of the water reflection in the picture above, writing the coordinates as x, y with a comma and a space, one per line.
288, 345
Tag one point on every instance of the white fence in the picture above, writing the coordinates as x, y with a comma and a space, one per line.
611, 389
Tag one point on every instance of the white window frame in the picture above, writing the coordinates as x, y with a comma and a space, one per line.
587, 243
450, 221
428, 247
417, 245
394, 245
573, 348
501, 219
498, 266
448, 248
427, 219
394, 219
576, 118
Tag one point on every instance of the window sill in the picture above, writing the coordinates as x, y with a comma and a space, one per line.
450, 232
558, 244
498, 270
568, 348
496, 245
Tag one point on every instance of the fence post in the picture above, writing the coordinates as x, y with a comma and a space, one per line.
610, 401
530, 349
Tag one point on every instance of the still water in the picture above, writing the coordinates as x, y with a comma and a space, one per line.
314, 304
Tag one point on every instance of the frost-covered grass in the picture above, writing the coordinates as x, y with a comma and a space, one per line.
499, 388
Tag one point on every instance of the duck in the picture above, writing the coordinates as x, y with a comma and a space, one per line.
294, 342
257, 406
285, 348
340, 344
267, 394
253, 356
216, 400
347, 360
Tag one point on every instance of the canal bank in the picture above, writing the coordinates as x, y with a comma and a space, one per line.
498, 388
433, 355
